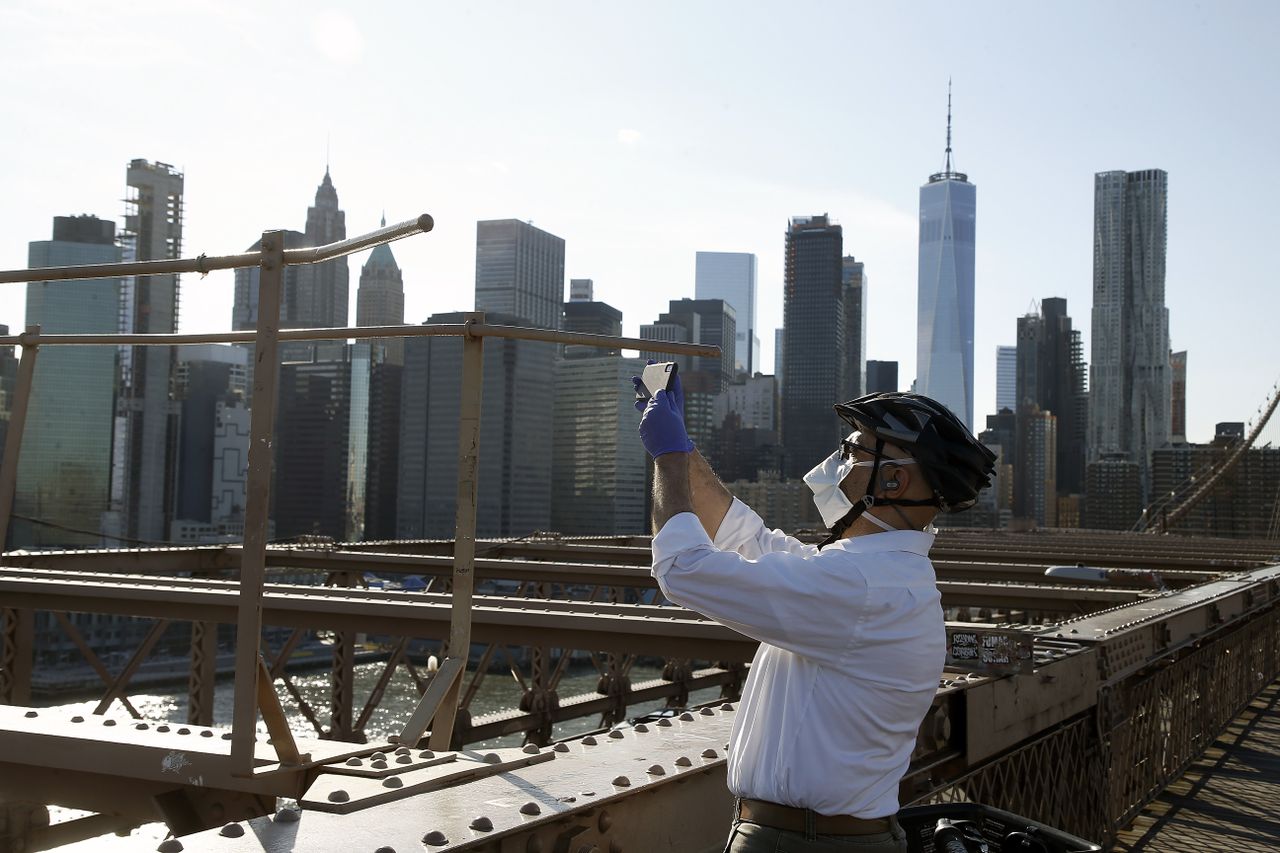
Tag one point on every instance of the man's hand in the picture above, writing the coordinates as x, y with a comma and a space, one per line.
662, 427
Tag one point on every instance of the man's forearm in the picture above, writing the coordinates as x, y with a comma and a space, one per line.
710, 499
671, 494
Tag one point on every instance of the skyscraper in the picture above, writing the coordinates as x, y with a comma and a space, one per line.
1129, 385
1050, 378
313, 448
814, 360
707, 321
1006, 378
64, 470
143, 472
854, 278
944, 337
731, 276
516, 426
380, 301
882, 376
598, 464
319, 297
520, 272
208, 376
591, 318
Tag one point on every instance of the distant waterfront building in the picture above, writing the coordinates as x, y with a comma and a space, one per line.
704, 321
312, 450
382, 473
598, 463
1006, 378
64, 469
516, 427
944, 337
754, 399
882, 376
1240, 505
230, 462
582, 290
815, 353
143, 472
1050, 378
996, 503
1035, 490
210, 383
591, 318
854, 279
380, 301
1130, 384
1178, 397
520, 272
731, 276
1113, 493
783, 504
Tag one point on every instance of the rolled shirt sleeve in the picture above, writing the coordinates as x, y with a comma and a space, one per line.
780, 597
744, 532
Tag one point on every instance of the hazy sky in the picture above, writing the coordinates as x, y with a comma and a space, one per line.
642, 133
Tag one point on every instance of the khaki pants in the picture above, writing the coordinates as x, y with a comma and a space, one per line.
753, 838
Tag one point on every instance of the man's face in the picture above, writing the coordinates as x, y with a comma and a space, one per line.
860, 448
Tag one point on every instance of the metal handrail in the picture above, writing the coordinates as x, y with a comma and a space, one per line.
204, 264
247, 336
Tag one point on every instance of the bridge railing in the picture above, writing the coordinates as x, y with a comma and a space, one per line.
253, 687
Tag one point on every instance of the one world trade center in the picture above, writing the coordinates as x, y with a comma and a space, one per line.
944, 332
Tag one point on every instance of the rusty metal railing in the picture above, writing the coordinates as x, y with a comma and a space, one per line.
252, 690
1092, 775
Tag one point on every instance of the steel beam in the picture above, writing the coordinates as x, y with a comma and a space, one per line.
262, 420
464, 543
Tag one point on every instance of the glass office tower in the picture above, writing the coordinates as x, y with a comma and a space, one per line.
944, 308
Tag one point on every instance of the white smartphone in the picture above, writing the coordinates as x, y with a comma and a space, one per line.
657, 377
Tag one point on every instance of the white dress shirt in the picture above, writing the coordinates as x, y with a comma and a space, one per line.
852, 645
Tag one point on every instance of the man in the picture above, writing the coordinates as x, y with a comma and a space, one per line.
852, 639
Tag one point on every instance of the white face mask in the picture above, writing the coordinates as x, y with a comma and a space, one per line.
825, 479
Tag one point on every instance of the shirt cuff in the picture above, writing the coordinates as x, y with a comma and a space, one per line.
681, 533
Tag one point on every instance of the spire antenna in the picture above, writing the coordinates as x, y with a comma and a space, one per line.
948, 168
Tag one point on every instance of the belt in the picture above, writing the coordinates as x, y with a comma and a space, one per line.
796, 820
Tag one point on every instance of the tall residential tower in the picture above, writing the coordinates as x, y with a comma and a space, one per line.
143, 470
815, 342
944, 336
1129, 375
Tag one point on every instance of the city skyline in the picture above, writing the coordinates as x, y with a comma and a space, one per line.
640, 185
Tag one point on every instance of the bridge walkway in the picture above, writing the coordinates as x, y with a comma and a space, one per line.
1228, 799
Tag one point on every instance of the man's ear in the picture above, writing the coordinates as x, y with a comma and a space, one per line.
894, 481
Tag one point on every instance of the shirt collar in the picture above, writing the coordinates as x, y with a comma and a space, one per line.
912, 541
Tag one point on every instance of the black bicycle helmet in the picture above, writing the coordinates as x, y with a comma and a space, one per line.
955, 463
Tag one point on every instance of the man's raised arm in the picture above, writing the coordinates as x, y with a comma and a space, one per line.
711, 500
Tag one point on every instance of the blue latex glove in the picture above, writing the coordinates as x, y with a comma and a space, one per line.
662, 426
